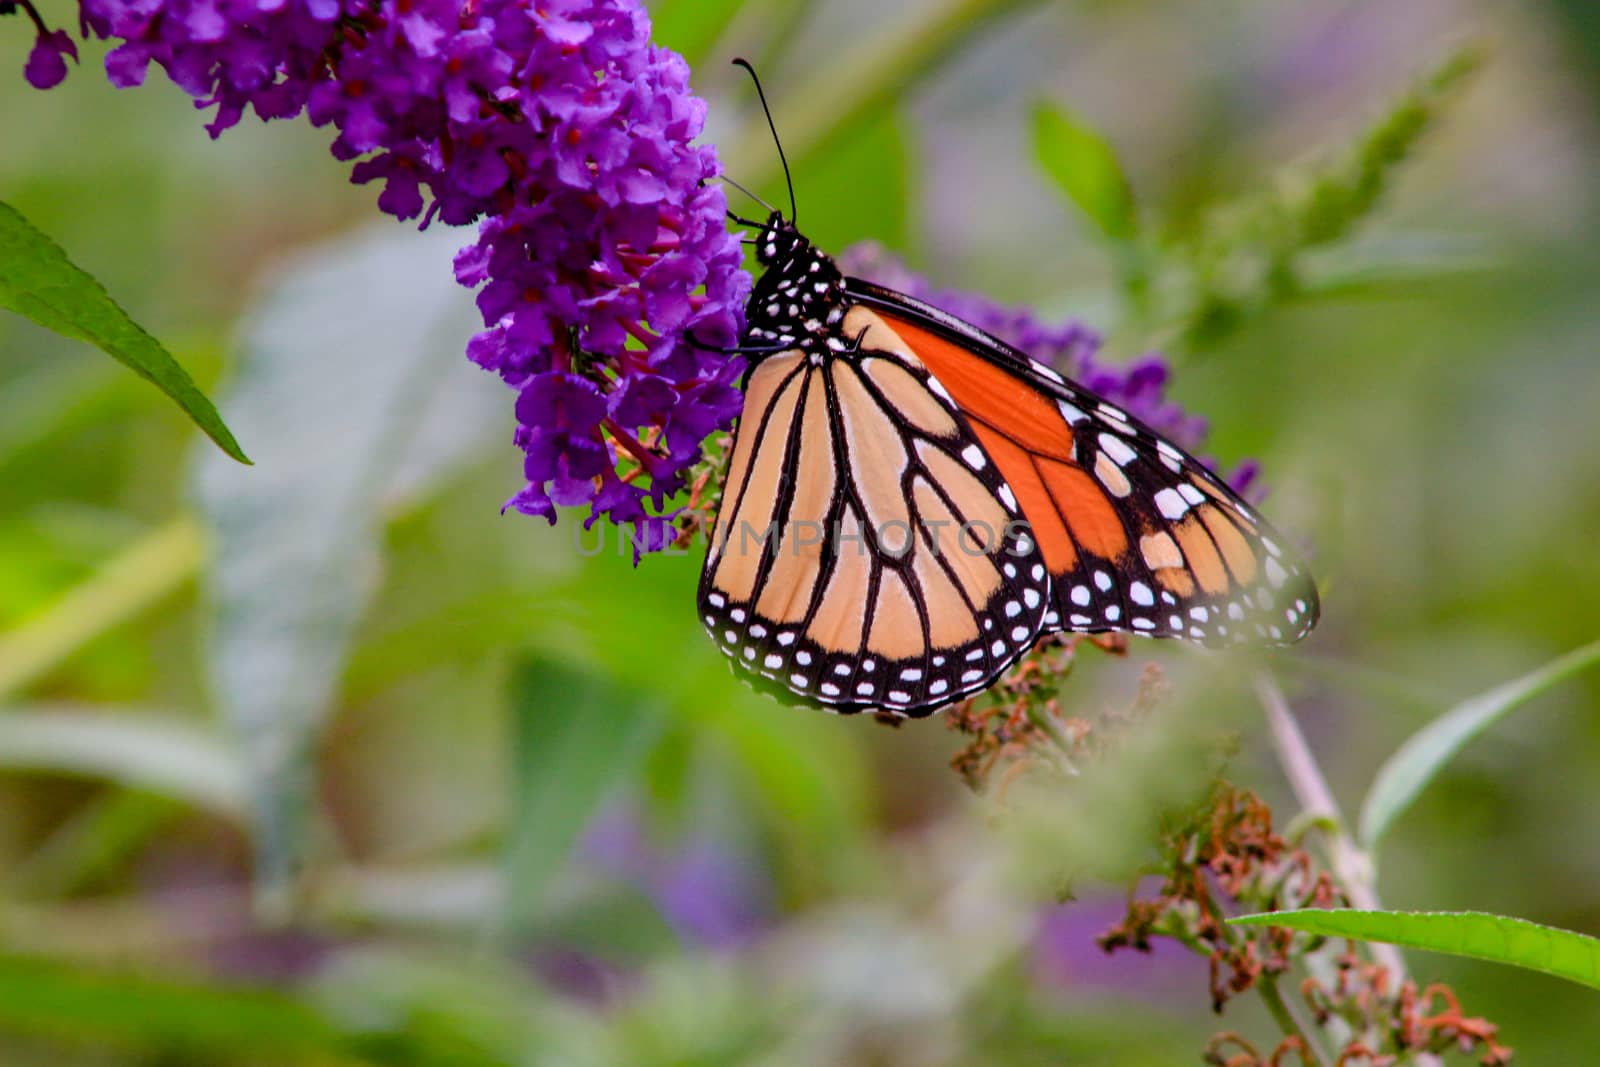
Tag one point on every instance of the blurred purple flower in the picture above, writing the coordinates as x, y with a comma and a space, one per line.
602, 248
1065, 954
709, 893
1138, 387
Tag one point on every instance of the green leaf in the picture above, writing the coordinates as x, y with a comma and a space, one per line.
1458, 933
130, 582
577, 736
1337, 197
38, 281
1406, 773
1247, 255
54, 1002
346, 362
1083, 164
139, 750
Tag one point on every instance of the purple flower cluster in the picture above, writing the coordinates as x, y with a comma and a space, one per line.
602, 250
1138, 387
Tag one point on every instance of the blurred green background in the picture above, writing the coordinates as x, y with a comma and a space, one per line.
325, 762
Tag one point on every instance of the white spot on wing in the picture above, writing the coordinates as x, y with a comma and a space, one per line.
1171, 504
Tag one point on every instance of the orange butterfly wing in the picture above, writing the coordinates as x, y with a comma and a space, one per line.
1137, 535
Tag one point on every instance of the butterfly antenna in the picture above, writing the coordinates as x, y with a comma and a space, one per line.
774, 128
746, 192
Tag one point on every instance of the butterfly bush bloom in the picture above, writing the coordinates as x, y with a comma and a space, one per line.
602, 250
1138, 387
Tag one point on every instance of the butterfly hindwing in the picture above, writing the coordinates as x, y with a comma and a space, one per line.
866, 556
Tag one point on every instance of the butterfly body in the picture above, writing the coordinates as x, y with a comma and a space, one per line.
911, 503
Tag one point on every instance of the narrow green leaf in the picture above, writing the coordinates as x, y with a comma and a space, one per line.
95, 844
1406, 773
1458, 933
577, 735
1084, 165
139, 750
151, 568
346, 361
38, 281
55, 1002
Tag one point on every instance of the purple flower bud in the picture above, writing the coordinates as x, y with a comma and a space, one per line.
47, 63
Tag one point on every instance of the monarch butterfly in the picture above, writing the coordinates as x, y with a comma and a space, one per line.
910, 503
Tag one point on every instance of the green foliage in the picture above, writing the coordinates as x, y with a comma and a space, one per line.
39, 281
1427, 752
577, 737
366, 613
44, 998
143, 573
843, 96
1083, 164
1458, 933
133, 749
375, 325
867, 185
1250, 254
691, 27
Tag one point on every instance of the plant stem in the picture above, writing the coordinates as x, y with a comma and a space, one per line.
149, 570
1352, 867
1291, 1027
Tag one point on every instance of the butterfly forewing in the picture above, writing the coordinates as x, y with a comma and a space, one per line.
867, 556
1137, 535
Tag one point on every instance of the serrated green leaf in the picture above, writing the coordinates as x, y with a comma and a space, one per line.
1406, 773
38, 281
1458, 933
1083, 164
577, 735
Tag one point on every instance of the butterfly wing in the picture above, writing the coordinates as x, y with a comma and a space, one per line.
866, 555
1136, 534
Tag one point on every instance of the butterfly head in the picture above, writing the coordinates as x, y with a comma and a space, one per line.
780, 242
797, 298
